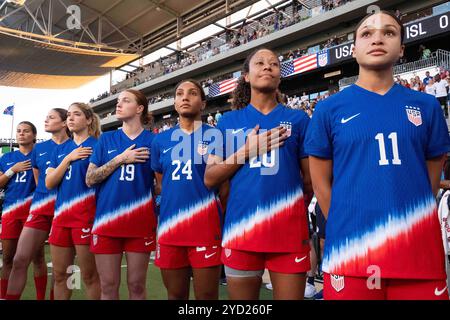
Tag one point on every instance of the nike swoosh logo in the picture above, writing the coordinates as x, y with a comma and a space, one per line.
61, 155
207, 256
148, 243
86, 230
9, 163
84, 236
111, 151
41, 154
166, 150
237, 130
438, 292
297, 260
348, 119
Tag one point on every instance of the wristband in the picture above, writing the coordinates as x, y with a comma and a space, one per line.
9, 173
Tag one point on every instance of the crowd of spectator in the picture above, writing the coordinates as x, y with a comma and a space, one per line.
231, 38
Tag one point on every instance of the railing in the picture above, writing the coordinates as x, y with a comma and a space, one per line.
439, 58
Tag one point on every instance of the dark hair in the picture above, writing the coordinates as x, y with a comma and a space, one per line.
386, 12
63, 115
94, 128
32, 126
195, 83
242, 93
141, 99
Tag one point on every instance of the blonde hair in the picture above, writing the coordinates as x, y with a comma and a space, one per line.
94, 128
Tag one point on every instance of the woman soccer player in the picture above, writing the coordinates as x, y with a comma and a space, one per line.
266, 221
124, 218
16, 177
39, 221
75, 203
189, 220
376, 152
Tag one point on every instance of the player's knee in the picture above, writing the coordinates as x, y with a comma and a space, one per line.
90, 278
60, 276
208, 295
21, 261
109, 287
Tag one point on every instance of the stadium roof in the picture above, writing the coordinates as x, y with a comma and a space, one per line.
40, 48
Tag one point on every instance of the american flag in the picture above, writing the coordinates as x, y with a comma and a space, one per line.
299, 65
225, 86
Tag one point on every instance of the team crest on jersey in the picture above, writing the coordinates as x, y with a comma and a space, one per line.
288, 126
227, 252
95, 239
337, 282
202, 147
414, 115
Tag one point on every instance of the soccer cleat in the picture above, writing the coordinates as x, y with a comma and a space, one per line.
310, 291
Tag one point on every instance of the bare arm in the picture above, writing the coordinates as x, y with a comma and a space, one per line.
36, 175
322, 176
434, 172
158, 187
3, 179
307, 184
224, 191
97, 175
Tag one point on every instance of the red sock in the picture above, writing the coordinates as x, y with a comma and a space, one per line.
52, 294
12, 297
4, 288
41, 286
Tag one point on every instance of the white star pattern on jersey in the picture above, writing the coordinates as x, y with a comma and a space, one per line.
121, 211
184, 214
73, 202
373, 239
15, 206
261, 215
37, 205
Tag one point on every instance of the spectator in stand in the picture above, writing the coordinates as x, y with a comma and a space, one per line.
430, 88
442, 89
424, 52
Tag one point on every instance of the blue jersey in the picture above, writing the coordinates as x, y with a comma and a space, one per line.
20, 187
43, 199
189, 212
265, 209
383, 212
124, 199
75, 202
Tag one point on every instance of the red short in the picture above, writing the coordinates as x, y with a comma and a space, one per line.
69, 237
175, 257
110, 245
283, 262
11, 228
39, 221
352, 288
